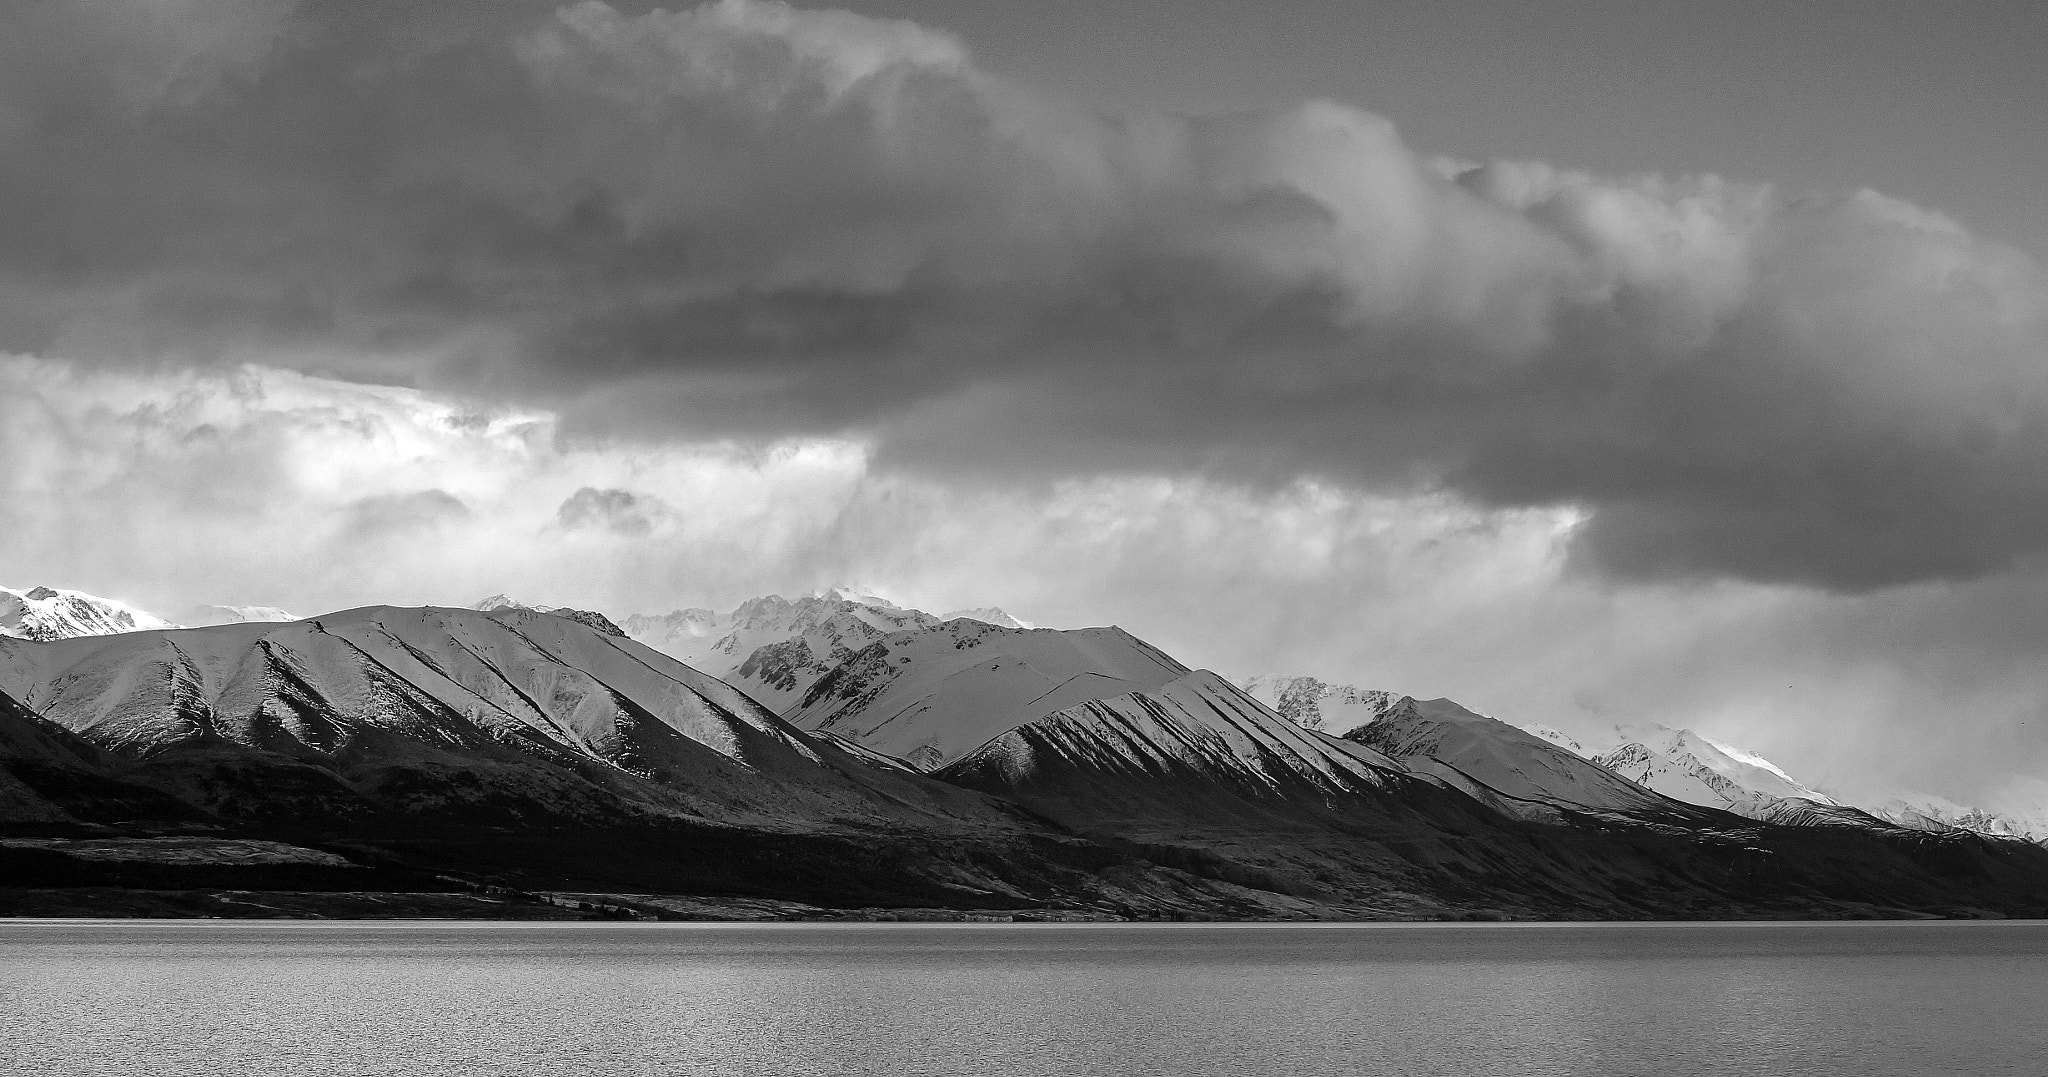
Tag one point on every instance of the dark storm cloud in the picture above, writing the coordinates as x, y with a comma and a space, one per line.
397, 514
619, 511
747, 219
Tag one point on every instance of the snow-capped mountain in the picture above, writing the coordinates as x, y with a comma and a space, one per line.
932, 695
497, 603
1174, 749
50, 613
1684, 765
993, 615
520, 747
1316, 704
439, 711
1640, 768
1925, 811
775, 648
1440, 737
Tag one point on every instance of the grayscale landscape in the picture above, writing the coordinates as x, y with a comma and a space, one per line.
976, 537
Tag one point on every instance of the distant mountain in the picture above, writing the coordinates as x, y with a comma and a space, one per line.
775, 648
1442, 738
987, 615
1315, 704
208, 616
1439, 736
2026, 818
1642, 769
1686, 766
50, 613
596, 620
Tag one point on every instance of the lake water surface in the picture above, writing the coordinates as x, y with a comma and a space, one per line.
1939, 999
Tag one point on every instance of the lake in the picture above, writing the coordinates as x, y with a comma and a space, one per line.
1956, 999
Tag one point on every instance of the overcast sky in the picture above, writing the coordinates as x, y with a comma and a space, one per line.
1585, 362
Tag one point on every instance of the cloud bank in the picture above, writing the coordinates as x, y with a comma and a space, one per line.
751, 221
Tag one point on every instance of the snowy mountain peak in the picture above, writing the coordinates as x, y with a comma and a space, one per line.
1462, 746
51, 613
1316, 704
864, 596
931, 695
2021, 812
776, 648
1686, 766
502, 604
987, 615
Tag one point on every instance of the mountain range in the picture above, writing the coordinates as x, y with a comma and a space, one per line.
1680, 764
834, 753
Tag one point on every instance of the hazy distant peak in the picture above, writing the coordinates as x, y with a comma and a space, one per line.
502, 602
210, 615
864, 596
1684, 765
1313, 703
987, 615
497, 604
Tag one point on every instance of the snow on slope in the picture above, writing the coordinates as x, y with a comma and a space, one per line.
1195, 725
987, 615
497, 603
933, 695
443, 676
775, 648
2025, 814
454, 694
1315, 704
1684, 765
50, 613
1635, 770
1502, 757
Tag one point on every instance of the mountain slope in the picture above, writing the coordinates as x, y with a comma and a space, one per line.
50, 775
49, 613
932, 696
1316, 704
2024, 818
1197, 731
775, 648
455, 714
1683, 765
1505, 759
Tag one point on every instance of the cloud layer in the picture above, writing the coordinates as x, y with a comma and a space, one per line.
747, 220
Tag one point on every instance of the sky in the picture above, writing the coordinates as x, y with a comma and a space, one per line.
1583, 362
